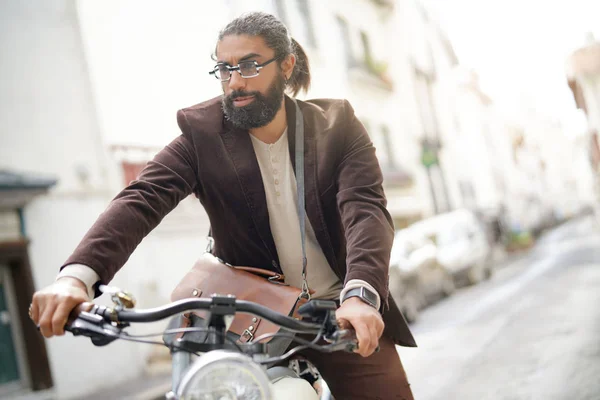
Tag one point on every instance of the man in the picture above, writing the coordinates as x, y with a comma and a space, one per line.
234, 155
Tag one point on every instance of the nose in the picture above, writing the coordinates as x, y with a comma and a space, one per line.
236, 82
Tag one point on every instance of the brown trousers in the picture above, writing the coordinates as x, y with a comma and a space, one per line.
352, 377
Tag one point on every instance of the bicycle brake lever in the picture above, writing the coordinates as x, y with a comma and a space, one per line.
94, 327
351, 346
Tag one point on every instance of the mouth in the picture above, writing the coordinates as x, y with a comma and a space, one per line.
242, 101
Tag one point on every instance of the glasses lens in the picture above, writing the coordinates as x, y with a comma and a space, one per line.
222, 73
248, 69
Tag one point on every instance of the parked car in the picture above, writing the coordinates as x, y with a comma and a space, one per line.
463, 248
416, 278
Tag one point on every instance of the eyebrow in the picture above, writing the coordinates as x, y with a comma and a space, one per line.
245, 58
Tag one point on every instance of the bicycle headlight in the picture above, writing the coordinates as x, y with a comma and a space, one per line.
224, 375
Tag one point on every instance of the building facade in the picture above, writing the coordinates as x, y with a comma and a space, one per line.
583, 75
92, 95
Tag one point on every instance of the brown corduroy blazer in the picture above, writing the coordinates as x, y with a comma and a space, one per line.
215, 161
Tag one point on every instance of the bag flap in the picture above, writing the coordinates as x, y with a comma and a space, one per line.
210, 276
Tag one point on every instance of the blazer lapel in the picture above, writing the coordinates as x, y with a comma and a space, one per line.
240, 149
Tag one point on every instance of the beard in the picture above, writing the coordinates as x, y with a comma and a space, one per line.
260, 111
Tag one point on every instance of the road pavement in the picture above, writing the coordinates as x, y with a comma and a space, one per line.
530, 332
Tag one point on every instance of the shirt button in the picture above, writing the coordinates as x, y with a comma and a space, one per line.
277, 194
277, 181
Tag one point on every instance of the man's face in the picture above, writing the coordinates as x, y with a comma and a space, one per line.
250, 102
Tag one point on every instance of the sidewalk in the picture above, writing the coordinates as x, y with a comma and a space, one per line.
29, 395
146, 387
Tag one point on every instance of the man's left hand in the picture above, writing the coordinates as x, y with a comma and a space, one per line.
365, 320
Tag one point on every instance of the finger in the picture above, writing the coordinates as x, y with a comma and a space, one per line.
34, 312
60, 316
380, 327
85, 306
364, 339
374, 339
35, 309
344, 324
371, 333
45, 322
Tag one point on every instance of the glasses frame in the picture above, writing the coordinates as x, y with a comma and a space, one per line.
237, 68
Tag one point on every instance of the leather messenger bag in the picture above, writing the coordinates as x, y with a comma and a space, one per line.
210, 275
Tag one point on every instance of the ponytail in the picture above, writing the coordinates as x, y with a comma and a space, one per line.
300, 78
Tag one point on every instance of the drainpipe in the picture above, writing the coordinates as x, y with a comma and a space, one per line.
22, 222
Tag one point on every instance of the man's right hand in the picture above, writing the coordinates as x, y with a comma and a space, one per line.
52, 305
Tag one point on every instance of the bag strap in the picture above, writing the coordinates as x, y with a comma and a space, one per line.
301, 199
210, 242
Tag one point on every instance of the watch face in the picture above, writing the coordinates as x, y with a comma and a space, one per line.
370, 297
366, 295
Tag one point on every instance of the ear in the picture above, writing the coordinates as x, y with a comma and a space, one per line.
287, 65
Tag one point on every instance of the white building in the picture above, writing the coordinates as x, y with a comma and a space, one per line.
50, 128
583, 74
473, 145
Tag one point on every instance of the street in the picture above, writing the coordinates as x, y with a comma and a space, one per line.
531, 332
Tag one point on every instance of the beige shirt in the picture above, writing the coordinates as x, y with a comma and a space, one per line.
279, 182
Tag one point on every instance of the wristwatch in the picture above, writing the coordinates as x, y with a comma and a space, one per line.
366, 295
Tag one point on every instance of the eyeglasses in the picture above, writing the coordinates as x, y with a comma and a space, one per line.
247, 69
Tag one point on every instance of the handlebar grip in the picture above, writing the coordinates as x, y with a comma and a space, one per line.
350, 335
352, 347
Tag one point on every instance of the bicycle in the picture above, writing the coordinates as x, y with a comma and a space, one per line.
224, 369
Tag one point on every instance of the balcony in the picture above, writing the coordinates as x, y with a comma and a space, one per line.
371, 73
395, 177
388, 5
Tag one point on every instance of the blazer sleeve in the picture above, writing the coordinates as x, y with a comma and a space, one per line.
166, 180
361, 201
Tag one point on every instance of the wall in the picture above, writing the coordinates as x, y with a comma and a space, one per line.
48, 126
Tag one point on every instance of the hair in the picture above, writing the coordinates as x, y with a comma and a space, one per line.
276, 36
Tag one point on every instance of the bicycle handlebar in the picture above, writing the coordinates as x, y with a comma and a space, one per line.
221, 304
99, 321
158, 313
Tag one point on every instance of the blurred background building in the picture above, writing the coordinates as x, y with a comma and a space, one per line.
583, 74
89, 94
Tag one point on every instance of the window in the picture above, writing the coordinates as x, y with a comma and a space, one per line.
384, 148
304, 8
367, 128
346, 45
131, 170
367, 57
468, 193
424, 95
388, 147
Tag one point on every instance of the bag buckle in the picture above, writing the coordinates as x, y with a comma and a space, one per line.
305, 294
247, 334
210, 244
277, 280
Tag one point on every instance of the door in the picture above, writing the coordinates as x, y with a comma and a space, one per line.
9, 367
